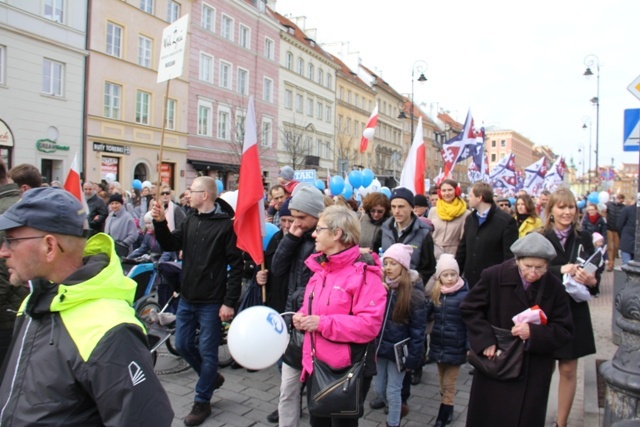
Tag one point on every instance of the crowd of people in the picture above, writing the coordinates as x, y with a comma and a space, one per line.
434, 275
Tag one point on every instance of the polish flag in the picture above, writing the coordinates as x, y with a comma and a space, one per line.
369, 129
249, 220
412, 176
73, 184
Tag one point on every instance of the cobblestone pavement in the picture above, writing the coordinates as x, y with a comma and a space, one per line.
246, 398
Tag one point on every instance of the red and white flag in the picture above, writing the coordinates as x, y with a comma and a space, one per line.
369, 129
412, 176
249, 220
73, 185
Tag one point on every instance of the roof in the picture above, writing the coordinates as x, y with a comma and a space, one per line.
292, 29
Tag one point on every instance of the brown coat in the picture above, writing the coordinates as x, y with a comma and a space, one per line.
447, 234
496, 298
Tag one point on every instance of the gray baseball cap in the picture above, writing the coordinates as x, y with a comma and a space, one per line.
54, 210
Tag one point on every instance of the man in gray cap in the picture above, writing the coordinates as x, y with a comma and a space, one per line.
305, 206
92, 366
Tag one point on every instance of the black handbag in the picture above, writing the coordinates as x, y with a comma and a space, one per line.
335, 392
507, 363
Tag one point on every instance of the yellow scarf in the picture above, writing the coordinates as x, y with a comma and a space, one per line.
450, 211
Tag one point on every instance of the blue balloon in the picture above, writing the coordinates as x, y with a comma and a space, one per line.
386, 191
581, 204
336, 185
320, 184
220, 186
271, 230
348, 191
367, 177
512, 200
137, 185
593, 197
355, 178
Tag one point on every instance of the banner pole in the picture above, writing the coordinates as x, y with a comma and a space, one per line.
164, 122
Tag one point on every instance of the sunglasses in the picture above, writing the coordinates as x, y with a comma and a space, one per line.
166, 193
504, 205
377, 211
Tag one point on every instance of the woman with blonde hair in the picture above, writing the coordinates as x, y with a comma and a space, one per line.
562, 229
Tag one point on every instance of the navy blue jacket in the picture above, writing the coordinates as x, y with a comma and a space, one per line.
415, 328
448, 342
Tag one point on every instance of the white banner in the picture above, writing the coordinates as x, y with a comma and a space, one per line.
174, 44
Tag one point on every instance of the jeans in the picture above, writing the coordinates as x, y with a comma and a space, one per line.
626, 257
388, 386
203, 356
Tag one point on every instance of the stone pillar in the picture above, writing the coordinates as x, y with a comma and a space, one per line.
622, 374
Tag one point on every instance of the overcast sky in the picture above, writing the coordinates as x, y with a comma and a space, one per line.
517, 65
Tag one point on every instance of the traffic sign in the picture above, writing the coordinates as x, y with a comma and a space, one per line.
631, 129
634, 87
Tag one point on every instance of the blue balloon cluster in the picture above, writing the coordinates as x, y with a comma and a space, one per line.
593, 197
581, 204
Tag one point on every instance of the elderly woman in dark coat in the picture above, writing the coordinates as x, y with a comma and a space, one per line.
503, 291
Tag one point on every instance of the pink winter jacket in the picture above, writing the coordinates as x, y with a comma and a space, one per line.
350, 299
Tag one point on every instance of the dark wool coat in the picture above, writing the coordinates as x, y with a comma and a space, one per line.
496, 298
448, 338
627, 228
485, 245
583, 342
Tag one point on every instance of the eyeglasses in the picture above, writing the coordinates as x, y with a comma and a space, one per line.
319, 229
198, 191
504, 205
8, 241
377, 211
166, 193
533, 268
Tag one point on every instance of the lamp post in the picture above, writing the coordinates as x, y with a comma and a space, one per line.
418, 67
593, 61
581, 150
586, 124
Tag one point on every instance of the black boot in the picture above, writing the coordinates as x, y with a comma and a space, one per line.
445, 415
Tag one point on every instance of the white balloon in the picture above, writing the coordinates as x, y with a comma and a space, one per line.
363, 191
110, 177
375, 186
230, 197
368, 133
603, 197
257, 337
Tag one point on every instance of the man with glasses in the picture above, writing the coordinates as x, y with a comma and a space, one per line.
209, 291
79, 355
98, 211
504, 204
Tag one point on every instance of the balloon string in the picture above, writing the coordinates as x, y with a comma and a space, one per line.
286, 313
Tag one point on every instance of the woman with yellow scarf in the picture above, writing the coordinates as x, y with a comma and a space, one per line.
448, 218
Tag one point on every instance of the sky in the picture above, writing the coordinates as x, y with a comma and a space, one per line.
516, 65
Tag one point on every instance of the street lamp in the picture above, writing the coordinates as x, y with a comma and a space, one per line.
418, 67
581, 150
593, 61
586, 124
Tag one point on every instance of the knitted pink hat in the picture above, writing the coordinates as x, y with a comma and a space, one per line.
399, 253
596, 236
446, 262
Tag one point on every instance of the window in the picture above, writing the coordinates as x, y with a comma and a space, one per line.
267, 132
243, 81
224, 124
146, 6
226, 29
328, 114
225, 75
357, 98
267, 90
341, 93
114, 39
320, 76
493, 157
208, 17
339, 123
310, 107
503, 143
54, 10
145, 48
3, 50
320, 146
171, 114
52, 77
311, 72
204, 118
329, 81
502, 155
493, 143
349, 97
206, 68
244, 36
268, 48
240, 117
288, 99
319, 110
173, 11
143, 103
298, 103
289, 61
300, 69
112, 96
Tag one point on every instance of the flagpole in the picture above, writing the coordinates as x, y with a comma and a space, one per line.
164, 121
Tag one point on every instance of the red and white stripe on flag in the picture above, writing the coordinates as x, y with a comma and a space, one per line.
73, 185
249, 219
412, 176
369, 129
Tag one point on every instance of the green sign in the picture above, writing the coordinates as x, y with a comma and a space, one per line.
48, 146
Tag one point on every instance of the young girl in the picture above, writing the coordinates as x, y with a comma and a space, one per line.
405, 317
448, 339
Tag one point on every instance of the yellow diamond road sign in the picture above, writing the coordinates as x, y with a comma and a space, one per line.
634, 87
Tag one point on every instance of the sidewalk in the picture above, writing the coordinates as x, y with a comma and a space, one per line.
247, 398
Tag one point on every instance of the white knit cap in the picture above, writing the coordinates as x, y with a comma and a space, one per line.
446, 262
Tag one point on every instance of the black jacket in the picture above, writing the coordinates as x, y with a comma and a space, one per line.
485, 245
97, 213
208, 245
627, 228
289, 259
599, 227
448, 343
613, 211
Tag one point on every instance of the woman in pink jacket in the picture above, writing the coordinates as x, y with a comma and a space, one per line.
348, 300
